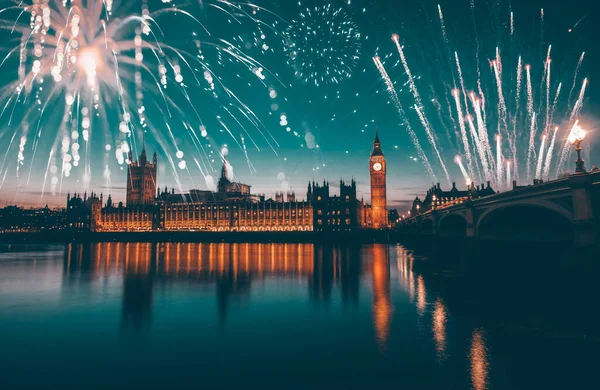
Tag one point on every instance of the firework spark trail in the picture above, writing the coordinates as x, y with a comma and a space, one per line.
473, 20
575, 78
458, 160
555, 103
480, 149
403, 117
443, 25
574, 114
548, 62
499, 160
530, 112
508, 172
518, 94
544, 73
462, 82
419, 106
483, 133
531, 149
538, 169
463, 130
579, 102
449, 52
516, 112
549, 155
541, 28
502, 111
512, 24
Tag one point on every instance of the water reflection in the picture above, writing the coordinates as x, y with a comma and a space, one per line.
479, 361
231, 269
421, 295
275, 311
382, 302
439, 328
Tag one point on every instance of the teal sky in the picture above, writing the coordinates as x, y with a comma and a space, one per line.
279, 128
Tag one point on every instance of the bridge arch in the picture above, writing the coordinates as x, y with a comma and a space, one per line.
427, 226
453, 225
532, 221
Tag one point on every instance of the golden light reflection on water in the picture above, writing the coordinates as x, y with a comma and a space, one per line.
439, 328
185, 259
479, 361
382, 302
421, 295
233, 268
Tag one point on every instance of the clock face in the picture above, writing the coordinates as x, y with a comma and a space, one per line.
377, 167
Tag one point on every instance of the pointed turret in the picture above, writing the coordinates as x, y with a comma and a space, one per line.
377, 145
224, 169
143, 158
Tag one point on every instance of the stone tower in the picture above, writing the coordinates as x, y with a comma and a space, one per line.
141, 180
377, 168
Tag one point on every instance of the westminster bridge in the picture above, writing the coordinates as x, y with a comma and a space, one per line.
562, 210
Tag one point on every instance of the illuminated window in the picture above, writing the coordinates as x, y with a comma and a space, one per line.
319, 212
318, 198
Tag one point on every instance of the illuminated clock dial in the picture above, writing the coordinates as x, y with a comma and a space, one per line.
377, 167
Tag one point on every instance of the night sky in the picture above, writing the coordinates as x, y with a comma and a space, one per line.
289, 92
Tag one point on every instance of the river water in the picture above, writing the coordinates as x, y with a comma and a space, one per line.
137, 315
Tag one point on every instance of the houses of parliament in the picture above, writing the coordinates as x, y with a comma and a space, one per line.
232, 208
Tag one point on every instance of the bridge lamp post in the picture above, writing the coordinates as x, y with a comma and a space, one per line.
575, 138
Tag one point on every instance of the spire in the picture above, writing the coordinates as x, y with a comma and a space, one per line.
143, 158
224, 169
154, 158
377, 145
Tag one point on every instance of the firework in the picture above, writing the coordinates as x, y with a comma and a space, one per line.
538, 169
323, 45
466, 176
95, 67
419, 106
403, 117
482, 97
549, 154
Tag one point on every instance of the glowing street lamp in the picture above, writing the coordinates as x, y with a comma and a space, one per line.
575, 138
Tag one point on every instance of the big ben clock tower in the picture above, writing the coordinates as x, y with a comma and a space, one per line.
377, 169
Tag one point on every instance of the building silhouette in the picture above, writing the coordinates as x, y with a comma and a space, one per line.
233, 207
141, 180
332, 213
378, 170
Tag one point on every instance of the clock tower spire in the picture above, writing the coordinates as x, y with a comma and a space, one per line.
377, 168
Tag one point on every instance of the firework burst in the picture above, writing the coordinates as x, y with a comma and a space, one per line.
101, 71
323, 45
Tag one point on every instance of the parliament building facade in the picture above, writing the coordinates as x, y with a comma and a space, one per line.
232, 208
